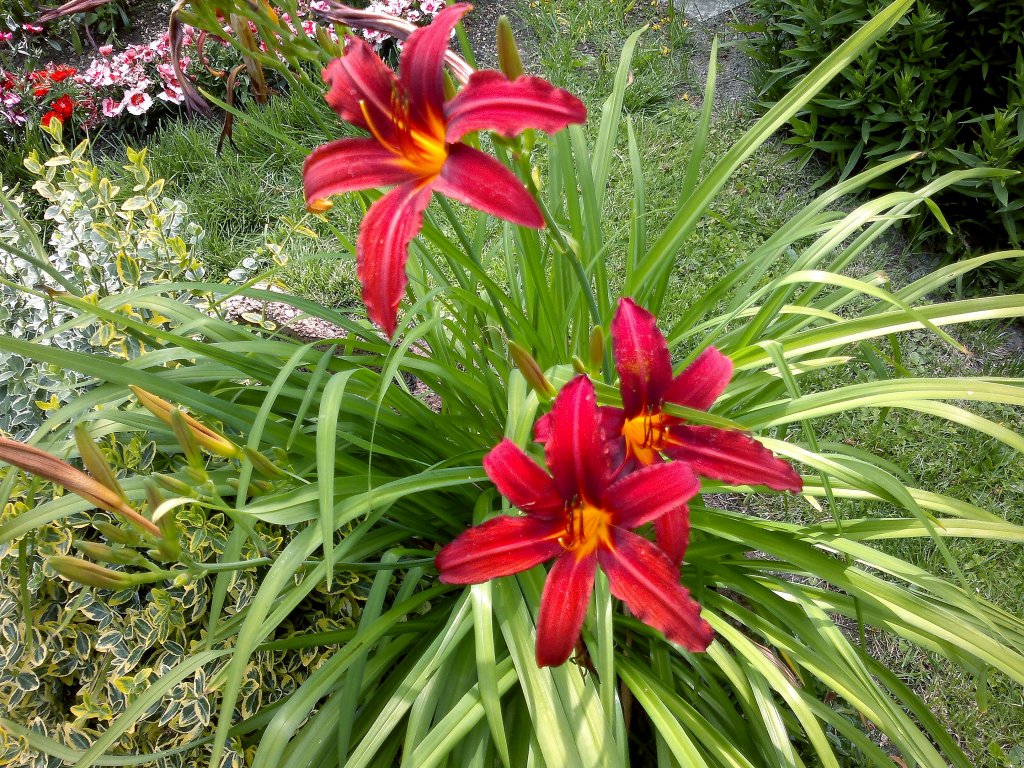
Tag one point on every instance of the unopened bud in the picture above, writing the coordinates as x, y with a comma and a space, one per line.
186, 438
116, 533
596, 348
106, 554
579, 366
333, 47
210, 439
48, 466
89, 574
173, 485
261, 463
153, 497
168, 546
531, 370
96, 462
509, 60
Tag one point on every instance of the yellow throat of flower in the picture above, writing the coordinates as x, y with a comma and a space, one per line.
645, 436
587, 528
422, 150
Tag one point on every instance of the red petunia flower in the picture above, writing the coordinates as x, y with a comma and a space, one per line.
49, 117
581, 517
415, 144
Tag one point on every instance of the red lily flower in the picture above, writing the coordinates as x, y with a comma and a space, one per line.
415, 144
580, 516
645, 374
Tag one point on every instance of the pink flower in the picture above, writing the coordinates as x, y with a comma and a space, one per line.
112, 107
106, 50
6, 37
171, 94
34, 29
137, 102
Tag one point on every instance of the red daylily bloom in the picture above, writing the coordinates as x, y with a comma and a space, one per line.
645, 374
580, 516
647, 431
415, 145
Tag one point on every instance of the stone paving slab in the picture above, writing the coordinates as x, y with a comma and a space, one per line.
705, 10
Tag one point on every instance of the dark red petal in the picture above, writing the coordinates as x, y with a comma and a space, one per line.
421, 66
347, 165
522, 481
702, 381
542, 429
576, 451
480, 181
563, 606
611, 422
649, 493
672, 532
499, 547
361, 77
732, 457
383, 248
644, 578
641, 357
492, 102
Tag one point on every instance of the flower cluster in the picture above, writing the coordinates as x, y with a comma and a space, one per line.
608, 476
410, 10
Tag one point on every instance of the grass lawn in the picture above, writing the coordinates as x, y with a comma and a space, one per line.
252, 194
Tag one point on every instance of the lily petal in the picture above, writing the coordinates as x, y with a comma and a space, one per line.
643, 577
421, 68
611, 423
641, 358
672, 532
500, 547
522, 481
482, 182
383, 248
360, 81
348, 165
492, 102
650, 493
732, 457
702, 381
563, 606
577, 453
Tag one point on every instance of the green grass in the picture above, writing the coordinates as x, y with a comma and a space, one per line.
248, 195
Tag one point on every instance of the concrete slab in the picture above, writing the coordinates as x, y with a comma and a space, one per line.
705, 10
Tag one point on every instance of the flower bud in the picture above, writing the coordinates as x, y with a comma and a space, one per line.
509, 60
261, 463
48, 466
106, 554
168, 546
186, 438
89, 574
96, 462
210, 439
173, 485
579, 366
531, 370
116, 533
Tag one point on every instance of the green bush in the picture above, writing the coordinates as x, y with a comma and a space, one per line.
101, 236
948, 81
